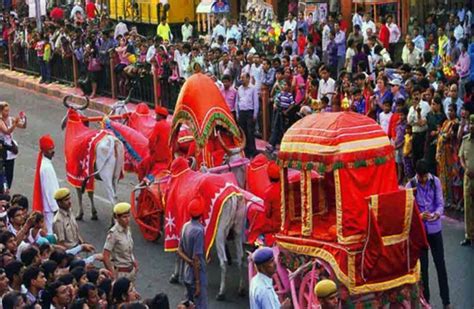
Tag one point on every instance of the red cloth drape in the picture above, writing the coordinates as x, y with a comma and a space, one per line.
37, 193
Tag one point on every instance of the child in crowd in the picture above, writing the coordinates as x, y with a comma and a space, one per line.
283, 103
408, 153
324, 105
358, 101
399, 142
385, 115
279, 81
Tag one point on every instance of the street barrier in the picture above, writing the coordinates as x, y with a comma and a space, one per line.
151, 89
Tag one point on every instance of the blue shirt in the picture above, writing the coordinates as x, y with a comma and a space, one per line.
192, 243
262, 295
429, 197
247, 99
284, 99
340, 40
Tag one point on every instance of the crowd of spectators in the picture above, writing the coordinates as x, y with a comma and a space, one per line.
60, 270
418, 87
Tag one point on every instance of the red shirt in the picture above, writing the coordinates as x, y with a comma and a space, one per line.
343, 25
392, 133
384, 36
301, 44
90, 10
272, 203
56, 14
158, 144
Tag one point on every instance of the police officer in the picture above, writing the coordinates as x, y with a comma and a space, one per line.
466, 154
118, 248
64, 224
326, 291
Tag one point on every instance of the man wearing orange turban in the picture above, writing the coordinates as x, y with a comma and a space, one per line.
46, 183
268, 222
160, 153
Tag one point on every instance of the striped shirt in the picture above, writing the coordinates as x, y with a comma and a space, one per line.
285, 99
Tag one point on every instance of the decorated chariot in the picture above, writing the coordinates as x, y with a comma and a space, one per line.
344, 217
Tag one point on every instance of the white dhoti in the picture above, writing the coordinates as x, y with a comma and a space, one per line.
48, 220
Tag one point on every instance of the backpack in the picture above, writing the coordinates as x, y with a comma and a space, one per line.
414, 184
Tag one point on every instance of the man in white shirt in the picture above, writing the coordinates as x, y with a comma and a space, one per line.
327, 85
413, 56
357, 18
326, 38
46, 183
458, 30
367, 24
417, 120
290, 24
256, 72
418, 39
233, 31
218, 30
394, 34
186, 30
184, 60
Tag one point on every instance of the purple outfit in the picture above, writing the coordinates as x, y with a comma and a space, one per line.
429, 197
230, 95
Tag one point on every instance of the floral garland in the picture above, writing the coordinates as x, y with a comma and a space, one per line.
323, 168
216, 118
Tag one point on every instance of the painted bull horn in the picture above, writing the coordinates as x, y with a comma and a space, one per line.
129, 96
233, 150
75, 106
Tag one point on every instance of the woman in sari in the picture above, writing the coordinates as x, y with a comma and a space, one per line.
447, 158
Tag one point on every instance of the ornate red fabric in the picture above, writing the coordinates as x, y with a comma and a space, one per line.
258, 176
185, 184
142, 122
79, 151
136, 145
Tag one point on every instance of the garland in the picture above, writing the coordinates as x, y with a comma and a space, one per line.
322, 168
117, 134
216, 118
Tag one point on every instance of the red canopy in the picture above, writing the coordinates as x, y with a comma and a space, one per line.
201, 106
327, 141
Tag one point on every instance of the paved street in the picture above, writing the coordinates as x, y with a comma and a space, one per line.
44, 116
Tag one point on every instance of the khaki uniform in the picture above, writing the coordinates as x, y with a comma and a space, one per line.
119, 243
66, 229
466, 151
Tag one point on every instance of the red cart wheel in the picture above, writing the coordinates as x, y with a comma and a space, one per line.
148, 213
306, 291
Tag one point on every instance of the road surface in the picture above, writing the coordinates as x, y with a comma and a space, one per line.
44, 116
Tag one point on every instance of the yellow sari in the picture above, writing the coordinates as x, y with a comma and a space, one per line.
447, 156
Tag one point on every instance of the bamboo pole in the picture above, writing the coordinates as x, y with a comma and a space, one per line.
113, 80
10, 54
74, 71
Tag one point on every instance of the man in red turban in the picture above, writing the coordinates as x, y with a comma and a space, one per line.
268, 222
160, 152
46, 182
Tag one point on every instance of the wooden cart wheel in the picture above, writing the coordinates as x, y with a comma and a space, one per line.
149, 215
305, 292
278, 287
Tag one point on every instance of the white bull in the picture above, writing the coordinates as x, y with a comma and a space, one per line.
109, 162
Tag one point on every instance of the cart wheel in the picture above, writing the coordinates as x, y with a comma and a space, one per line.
306, 291
278, 287
149, 216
